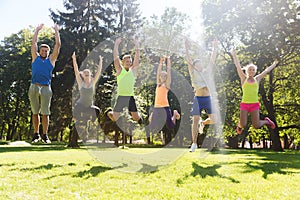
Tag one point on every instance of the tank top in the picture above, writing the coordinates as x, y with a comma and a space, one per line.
86, 95
161, 97
41, 71
125, 81
250, 92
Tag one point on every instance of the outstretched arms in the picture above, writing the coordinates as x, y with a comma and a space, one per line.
76, 71
159, 69
97, 76
168, 82
266, 71
34, 47
237, 64
188, 57
54, 55
117, 63
214, 53
136, 61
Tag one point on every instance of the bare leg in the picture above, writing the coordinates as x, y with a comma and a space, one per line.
176, 115
45, 123
196, 119
243, 119
209, 120
114, 116
36, 122
135, 116
150, 117
256, 122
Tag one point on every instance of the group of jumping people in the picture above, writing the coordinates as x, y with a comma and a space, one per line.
40, 92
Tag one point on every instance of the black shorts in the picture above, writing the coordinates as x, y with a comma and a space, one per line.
84, 113
125, 101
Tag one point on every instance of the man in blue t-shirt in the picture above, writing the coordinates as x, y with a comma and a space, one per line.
40, 92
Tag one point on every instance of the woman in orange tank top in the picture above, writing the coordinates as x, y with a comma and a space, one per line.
161, 114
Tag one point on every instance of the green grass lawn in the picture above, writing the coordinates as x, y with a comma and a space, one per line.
56, 172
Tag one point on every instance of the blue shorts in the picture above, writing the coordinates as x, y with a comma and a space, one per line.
201, 103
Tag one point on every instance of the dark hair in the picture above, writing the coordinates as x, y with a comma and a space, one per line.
45, 46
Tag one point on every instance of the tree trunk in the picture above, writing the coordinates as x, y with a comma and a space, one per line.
286, 142
73, 138
268, 103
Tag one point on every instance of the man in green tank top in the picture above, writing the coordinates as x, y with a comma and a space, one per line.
126, 74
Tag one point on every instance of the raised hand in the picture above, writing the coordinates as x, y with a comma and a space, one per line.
136, 41
39, 27
74, 55
55, 27
118, 41
215, 43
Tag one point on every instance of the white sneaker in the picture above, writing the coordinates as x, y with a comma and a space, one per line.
201, 127
193, 147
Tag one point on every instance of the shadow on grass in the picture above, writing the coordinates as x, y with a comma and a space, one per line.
205, 172
268, 161
35, 147
42, 167
95, 170
146, 168
268, 168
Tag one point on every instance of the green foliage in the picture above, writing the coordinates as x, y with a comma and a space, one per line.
263, 31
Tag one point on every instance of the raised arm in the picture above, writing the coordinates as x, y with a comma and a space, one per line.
97, 76
237, 64
214, 53
159, 69
54, 55
117, 63
76, 71
34, 48
136, 61
266, 71
188, 57
168, 83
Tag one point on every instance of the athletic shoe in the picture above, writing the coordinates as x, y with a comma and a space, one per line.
193, 147
45, 139
201, 127
239, 130
270, 123
36, 138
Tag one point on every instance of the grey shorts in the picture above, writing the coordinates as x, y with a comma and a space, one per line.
40, 98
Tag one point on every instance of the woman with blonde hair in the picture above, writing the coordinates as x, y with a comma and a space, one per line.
161, 114
250, 85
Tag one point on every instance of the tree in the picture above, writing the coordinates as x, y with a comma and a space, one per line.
264, 31
15, 75
85, 25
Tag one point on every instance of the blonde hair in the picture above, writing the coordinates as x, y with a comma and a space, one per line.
247, 67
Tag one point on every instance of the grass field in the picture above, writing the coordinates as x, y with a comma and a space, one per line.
56, 172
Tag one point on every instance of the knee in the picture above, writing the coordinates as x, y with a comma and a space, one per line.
255, 125
135, 117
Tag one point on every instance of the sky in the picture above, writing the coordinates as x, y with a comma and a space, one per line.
16, 15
